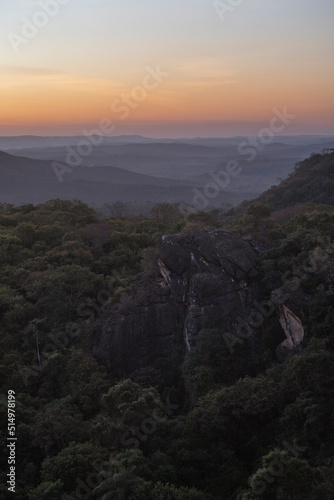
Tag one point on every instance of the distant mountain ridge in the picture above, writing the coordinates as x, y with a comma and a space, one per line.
26, 180
311, 182
32, 141
158, 171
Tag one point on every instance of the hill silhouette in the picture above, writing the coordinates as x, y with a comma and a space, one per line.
27, 180
312, 181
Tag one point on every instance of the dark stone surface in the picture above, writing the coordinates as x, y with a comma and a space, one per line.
208, 280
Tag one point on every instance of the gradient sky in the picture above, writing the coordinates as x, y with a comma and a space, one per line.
225, 76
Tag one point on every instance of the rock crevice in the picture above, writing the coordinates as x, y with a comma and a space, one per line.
207, 280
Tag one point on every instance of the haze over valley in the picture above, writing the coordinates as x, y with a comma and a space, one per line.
139, 170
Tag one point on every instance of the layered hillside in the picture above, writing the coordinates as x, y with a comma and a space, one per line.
312, 181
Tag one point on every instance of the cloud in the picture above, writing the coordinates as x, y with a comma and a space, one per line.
28, 77
25, 70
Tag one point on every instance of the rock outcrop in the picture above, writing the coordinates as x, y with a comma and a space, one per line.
207, 280
294, 331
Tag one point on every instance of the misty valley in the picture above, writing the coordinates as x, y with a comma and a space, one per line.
144, 171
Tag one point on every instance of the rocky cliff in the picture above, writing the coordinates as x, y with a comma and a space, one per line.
207, 280
294, 331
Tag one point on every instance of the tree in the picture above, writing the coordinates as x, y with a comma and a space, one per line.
73, 464
57, 425
209, 364
259, 212
118, 209
166, 214
47, 490
283, 476
128, 404
58, 293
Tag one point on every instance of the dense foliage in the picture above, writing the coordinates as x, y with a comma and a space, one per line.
312, 181
84, 434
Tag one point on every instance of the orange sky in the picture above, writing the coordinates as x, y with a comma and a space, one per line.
237, 70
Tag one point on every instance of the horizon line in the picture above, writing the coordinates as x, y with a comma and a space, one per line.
158, 138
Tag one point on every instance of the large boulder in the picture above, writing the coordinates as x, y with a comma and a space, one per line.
208, 280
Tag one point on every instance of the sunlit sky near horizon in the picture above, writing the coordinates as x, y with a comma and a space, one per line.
224, 75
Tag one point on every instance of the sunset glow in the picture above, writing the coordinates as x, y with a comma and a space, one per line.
224, 75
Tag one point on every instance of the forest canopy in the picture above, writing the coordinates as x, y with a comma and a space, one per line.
222, 433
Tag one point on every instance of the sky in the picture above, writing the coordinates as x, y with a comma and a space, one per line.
165, 68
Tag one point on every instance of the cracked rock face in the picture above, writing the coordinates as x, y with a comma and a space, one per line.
207, 280
294, 331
